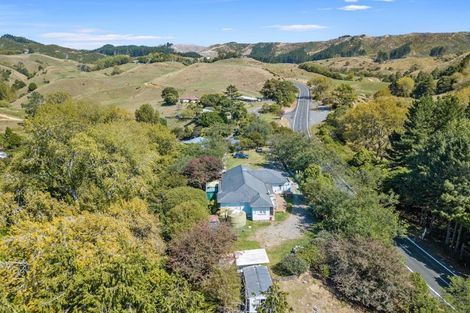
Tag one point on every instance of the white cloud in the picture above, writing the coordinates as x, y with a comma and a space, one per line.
89, 37
297, 27
355, 7
351, 1
227, 29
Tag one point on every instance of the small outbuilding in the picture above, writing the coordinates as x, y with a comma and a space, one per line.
190, 99
256, 282
248, 99
195, 140
250, 257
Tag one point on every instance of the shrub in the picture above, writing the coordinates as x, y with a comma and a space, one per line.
18, 84
359, 265
292, 265
32, 87
200, 171
197, 252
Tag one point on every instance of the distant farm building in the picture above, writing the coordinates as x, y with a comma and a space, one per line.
191, 99
248, 99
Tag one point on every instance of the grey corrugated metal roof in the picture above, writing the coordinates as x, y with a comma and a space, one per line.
257, 280
271, 177
239, 185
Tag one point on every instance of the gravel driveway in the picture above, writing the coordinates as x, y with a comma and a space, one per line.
289, 229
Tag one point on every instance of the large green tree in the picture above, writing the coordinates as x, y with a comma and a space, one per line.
170, 96
281, 91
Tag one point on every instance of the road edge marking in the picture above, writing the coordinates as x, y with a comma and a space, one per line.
296, 108
309, 102
443, 266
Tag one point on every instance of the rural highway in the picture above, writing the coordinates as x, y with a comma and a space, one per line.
435, 271
301, 119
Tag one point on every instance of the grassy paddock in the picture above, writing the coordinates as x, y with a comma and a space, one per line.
255, 160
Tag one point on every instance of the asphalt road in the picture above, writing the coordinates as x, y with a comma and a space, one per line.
301, 121
433, 269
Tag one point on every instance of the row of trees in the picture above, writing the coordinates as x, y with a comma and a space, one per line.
428, 84
420, 147
429, 165
352, 249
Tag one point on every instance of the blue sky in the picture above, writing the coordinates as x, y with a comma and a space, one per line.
90, 24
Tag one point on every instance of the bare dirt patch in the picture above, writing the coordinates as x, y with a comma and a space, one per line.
4, 117
306, 293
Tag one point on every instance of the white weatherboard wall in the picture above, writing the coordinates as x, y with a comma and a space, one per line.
281, 188
261, 214
238, 207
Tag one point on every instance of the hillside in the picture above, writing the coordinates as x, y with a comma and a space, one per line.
17, 45
416, 44
388, 47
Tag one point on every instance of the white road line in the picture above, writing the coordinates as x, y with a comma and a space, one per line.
308, 112
409, 253
443, 266
296, 110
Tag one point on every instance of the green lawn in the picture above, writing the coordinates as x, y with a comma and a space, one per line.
365, 86
276, 253
243, 243
254, 160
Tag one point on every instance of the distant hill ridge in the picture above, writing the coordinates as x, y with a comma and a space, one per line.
394, 46
381, 47
10, 44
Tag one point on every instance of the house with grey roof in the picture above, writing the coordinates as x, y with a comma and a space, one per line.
252, 190
256, 282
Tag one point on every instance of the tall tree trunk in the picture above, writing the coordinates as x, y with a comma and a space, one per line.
424, 215
449, 228
454, 235
462, 250
431, 224
457, 244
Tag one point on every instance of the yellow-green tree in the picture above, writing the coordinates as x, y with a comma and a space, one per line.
93, 262
320, 86
405, 86
90, 155
370, 124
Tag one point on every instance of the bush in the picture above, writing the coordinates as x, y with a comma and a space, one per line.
116, 70
292, 265
310, 254
32, 87
359, 265
18, 84
319, 69
111, 61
